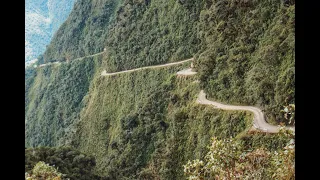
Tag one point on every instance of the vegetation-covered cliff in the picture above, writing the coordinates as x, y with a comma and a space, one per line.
83, 33
146, 124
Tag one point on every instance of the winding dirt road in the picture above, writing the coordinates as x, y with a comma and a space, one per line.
259, 122
104, 73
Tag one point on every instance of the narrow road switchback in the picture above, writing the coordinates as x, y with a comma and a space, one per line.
259, 121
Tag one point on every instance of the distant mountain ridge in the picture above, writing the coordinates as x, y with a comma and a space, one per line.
42, 19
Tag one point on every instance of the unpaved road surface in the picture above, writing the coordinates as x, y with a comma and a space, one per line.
58, 63
104, 73
186, 72
89, 56
259, 122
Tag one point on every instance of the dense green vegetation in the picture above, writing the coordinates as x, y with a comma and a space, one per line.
228, 158
43, 171
54, 99
146, 124
68, 161
157, 121
152, 32
244, 49
30, 74
83, 33
248, 56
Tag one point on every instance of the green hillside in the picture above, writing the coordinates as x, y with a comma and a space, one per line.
83, 33
146, 124
244, 50
54, 99
249, 54
155, 121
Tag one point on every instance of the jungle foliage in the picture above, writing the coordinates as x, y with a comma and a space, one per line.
152, 32
146, 124
244, 50
247, 56
54, 99
228, 158
83, 33
43, 171
63, 162
139, 130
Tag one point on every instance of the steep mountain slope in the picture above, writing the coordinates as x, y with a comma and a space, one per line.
83, 33
152, 32
42, 19
253, 41
54, 100
249, 53
146, 124
158, 122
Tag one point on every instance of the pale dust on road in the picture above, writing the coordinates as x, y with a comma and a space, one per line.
186, 72
259, 121
104, 73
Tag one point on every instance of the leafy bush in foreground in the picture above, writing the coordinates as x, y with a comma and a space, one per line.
74, 164
43, 171
227, 158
